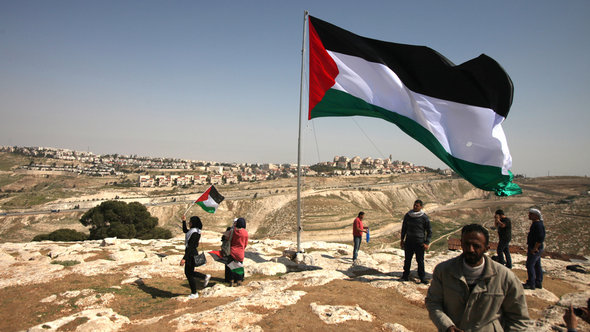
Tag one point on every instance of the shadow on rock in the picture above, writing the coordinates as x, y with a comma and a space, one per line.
156, 292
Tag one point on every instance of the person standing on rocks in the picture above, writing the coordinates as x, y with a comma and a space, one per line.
357, 234
416, 234
239, 241
504, 226
535, 240
191, 242
471, 292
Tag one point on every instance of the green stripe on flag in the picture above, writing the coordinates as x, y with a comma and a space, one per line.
209, 209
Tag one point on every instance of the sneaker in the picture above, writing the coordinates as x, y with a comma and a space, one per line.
404, 278
424, 281
540, 286
527, 286
194, 296
206, 281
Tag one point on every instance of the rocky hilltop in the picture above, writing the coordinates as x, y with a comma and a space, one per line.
133, 285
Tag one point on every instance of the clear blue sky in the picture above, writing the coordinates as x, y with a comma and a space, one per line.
220, 81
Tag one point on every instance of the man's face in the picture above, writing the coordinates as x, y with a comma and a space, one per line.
474, 246
417, 207
533, 216
497, 217
361, 216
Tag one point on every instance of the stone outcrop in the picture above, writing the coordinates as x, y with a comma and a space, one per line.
276, 280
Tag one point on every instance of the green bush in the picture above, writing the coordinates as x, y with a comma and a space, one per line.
122, 220
64, 234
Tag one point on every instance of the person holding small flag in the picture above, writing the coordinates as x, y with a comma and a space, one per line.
191, 242
239, 241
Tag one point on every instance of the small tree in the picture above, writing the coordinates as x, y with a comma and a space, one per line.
64, 234
116, 218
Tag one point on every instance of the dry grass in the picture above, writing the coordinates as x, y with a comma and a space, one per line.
386, 305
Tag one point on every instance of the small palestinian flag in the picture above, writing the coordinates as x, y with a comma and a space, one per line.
210, 200
236, 267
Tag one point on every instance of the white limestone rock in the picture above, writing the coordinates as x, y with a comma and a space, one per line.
103, 319
108, 241
267, 268
542, 294
127, 256
335, 314
49, 299
6, 259
395, 327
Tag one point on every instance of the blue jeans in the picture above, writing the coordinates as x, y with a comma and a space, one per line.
502, 250
411, 248
357, 245
533, 268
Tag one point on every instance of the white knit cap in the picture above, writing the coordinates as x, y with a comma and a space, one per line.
536, 211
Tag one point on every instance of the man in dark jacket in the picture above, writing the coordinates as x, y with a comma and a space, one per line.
416, 234
504, 226
535, 240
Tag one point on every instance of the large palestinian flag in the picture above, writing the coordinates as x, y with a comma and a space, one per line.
455, 111
210, 200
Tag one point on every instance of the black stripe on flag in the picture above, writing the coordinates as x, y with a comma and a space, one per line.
215, 195
478, 82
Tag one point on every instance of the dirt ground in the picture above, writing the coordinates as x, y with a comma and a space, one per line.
22, 307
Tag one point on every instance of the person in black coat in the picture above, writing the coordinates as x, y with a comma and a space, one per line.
416, 234
191, 242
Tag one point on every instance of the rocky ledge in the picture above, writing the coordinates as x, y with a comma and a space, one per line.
66, 276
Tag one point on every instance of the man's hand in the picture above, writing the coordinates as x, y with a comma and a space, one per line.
570, 318
182, 261
402, 244
454, 329
426, 246
183, 218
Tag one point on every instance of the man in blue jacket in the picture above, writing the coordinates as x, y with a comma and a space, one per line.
535, 240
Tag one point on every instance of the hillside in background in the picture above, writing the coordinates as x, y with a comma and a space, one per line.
329, 205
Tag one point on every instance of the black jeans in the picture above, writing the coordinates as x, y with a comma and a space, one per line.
191, 274
411, 248
504, 250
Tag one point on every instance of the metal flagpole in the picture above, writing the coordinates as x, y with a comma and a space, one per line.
301, 91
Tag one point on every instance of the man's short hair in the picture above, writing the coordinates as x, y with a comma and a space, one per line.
478, 229
419, 202
360, 214
500, 212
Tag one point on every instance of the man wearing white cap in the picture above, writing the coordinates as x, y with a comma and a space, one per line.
534, 241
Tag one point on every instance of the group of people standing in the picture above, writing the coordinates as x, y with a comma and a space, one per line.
237, 235
473, 292
535, 245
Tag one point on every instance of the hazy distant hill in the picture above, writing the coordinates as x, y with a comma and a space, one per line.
329, 205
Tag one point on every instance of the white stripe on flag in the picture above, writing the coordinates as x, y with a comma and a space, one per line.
466, 132
210, 202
